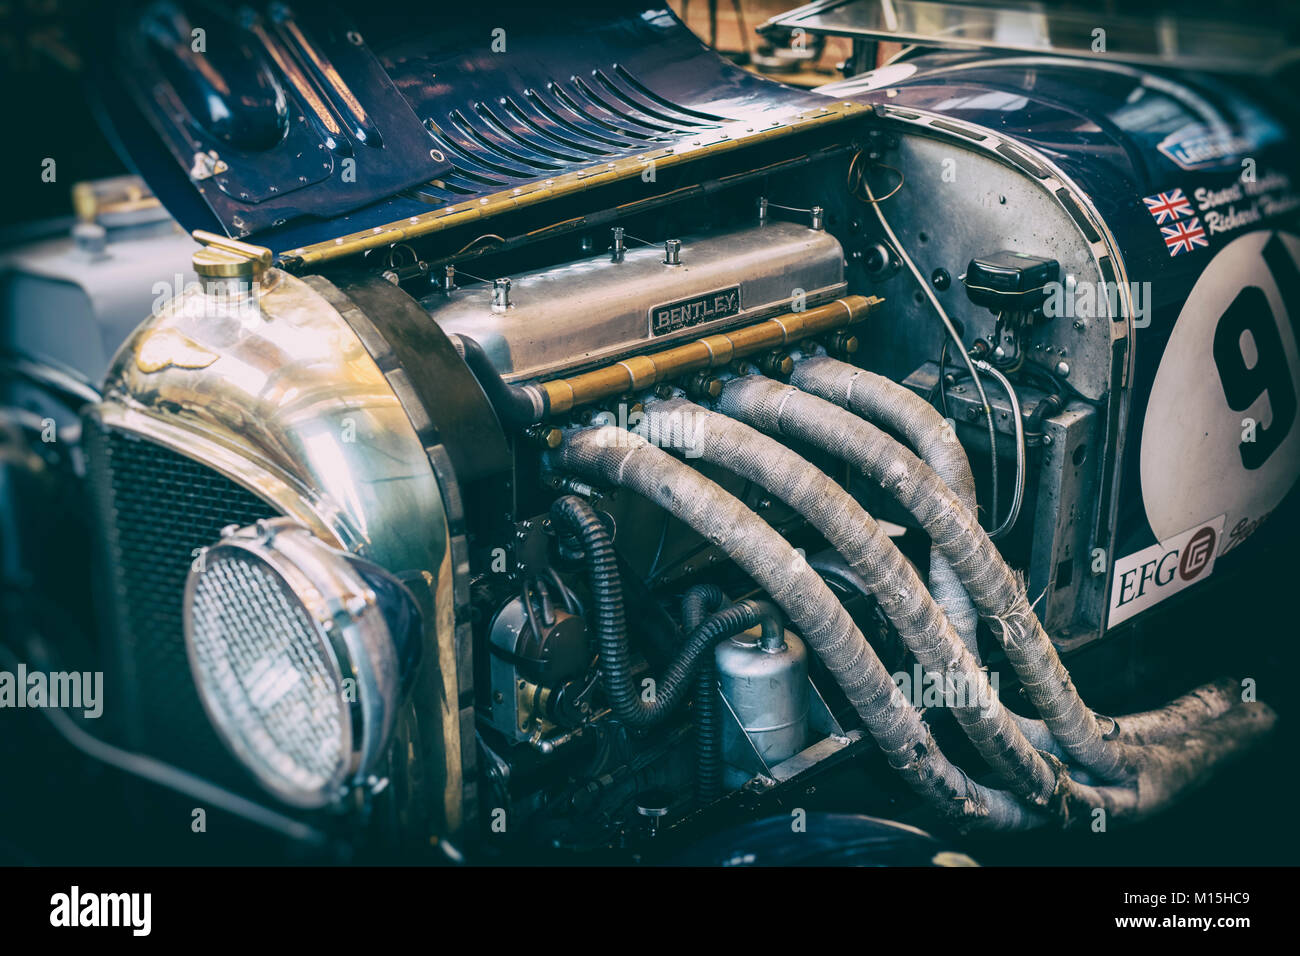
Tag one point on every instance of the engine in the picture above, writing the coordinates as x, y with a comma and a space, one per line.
661, 457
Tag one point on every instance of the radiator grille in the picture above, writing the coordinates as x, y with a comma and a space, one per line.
154, 508
266, 670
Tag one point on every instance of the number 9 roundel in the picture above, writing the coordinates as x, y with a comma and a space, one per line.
1220, 434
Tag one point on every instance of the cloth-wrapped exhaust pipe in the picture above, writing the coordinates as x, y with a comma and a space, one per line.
898, 408
1165, 771
930, 435
616, 457
1191, 710
610, 455
902, 596
885, 402
1194, 708
785, 410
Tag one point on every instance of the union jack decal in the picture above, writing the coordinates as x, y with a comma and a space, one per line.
1184, 236
1167, 206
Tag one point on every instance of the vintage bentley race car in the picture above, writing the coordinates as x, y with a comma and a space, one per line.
527, 436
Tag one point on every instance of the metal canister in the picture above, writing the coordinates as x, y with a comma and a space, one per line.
764, 679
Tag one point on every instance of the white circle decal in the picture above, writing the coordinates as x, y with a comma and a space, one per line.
1221, 435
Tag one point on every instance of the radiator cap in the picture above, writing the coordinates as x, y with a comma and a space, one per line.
225, 258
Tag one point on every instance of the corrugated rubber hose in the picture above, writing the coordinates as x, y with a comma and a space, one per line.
698, 601
574, 516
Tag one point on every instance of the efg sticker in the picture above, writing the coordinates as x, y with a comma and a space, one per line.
1220, 436
1148, 577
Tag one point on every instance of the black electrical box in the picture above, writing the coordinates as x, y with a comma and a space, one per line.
1009, 281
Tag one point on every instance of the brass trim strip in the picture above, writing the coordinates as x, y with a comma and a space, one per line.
730, 136
712, 351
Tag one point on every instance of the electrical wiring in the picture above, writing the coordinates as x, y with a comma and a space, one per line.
948, 325
1018, 494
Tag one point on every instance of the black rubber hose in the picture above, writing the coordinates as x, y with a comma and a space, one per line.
726, 623
698, 601
1050, 405
573, 515
516, 405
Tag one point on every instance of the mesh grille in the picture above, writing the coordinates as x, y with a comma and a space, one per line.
155, 507
264, 673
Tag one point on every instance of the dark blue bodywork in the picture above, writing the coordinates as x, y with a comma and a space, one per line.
1130, 139
456, 107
